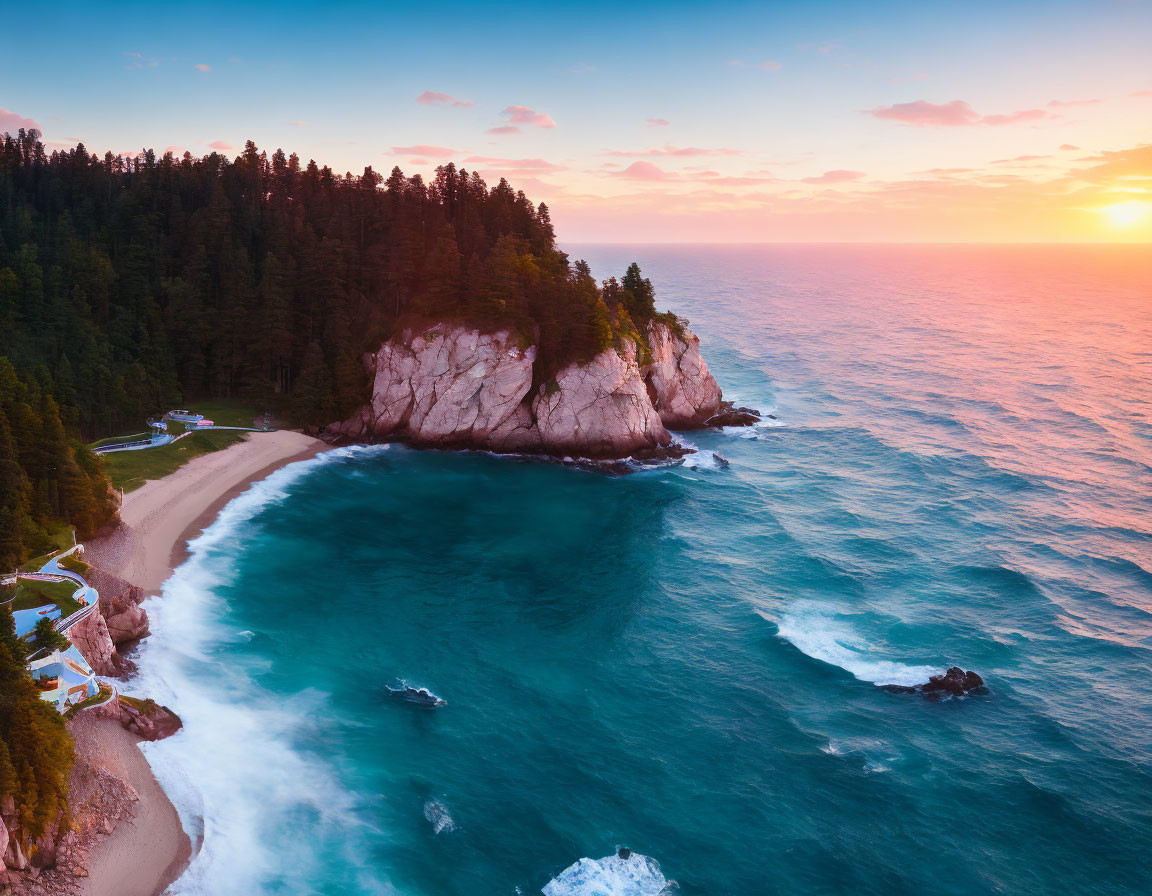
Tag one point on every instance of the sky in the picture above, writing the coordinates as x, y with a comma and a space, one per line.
672, 122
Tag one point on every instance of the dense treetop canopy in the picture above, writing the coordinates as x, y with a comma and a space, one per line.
149, 281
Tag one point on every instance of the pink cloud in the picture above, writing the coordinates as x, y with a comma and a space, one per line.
513, 164
669, 150
658, 122
421, 149
839, 176
220, 144
503, 130
1064, 104
1142, 93
1068, 147
957, 113
432, 98
643, 171
298, 124
524, 115
202, 67
1017, 117
11, 122
924, 114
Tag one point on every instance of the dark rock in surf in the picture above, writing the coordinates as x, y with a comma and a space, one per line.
730, 415
955, 682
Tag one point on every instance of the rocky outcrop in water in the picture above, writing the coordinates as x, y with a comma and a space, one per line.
955, 682
730, 415
452, 386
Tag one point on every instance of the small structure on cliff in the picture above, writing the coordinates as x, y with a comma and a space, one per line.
63, 677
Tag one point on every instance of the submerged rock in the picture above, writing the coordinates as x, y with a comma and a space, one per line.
954, 682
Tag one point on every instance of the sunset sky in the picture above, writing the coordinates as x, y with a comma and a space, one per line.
643, 122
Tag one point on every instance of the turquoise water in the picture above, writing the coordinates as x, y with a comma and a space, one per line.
685, 661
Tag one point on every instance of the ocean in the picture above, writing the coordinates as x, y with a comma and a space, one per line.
686, 661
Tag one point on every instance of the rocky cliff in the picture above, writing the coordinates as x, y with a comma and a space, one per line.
453, 386
119, 620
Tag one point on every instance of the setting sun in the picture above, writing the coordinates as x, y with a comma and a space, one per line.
1126, 214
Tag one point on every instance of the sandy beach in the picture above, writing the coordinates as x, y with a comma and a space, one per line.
143, 856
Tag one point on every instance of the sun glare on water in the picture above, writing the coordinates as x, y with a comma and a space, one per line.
1126, 214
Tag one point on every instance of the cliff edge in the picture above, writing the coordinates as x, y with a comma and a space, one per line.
450, 385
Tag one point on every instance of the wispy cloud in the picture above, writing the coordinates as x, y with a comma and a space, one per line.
434, 98
538, 165
839, 176
658, 122
823, 48
202, 67
957, 113
138, 61
669, 150
1068, 147
503, 130
298, 124
220, 144
1142, 93
10, 122
1067, 104
1015, 160
581, 68
422, 149
643, 171
524, 115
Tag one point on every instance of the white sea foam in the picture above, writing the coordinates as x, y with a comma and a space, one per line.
439, 817
822, 635
611, 876
244, 793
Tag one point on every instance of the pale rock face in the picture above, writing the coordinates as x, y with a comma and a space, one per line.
599, 409
684, 391
91, 637
452, 385
448, 385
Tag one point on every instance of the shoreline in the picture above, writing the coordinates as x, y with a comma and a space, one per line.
157, 521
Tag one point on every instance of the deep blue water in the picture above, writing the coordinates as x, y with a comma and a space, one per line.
685, 661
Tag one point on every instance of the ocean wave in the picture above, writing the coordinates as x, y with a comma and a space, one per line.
826, 636
233, 772
635, 875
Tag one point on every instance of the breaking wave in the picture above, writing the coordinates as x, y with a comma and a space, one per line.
234, 772
635, 875
822, 635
